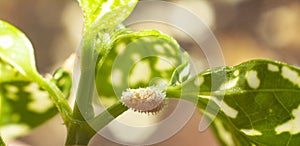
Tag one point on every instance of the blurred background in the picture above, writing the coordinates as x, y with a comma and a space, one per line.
245, 29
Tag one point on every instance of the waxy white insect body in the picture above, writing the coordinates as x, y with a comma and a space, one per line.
144, 100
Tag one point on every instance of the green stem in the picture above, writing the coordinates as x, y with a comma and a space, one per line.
193, 95
58, 97
85, 91
178, 93
80, 132
107, 116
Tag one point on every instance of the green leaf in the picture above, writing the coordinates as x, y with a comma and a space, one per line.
102, 18
261, 101
2, 142
182, 72
16, 49
105, 13
24, 104
136, 60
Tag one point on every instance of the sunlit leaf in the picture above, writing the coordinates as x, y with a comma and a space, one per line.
136, 60
16, 49
182, 72
105, 13
17, 56
101, 20
261, 102
2, 142
24, 104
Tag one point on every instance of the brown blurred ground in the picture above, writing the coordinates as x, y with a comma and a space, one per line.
245, 29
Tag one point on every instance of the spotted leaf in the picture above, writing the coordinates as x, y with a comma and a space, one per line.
105, 13
136, 60
258, 102
182, 72
16, 49
24, 104
17, 54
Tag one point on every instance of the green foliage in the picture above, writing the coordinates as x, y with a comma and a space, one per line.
101, 27
258, 102
254, 103
105, 13
17, 50
137, 59
182, 72
24, 102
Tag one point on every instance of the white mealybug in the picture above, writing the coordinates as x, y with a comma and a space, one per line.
144, 100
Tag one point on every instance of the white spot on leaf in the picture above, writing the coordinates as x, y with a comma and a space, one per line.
292, 126
229, 111
291, 75
116, 77
6, 42
252, 79
121, 48
147, 39
199, 81
273, 68
106, 7
170, 49
159, 48
251, 132
226, 136
9, 132
40, 99
185, 72
12, 92
236, 73
230, 84
163, 64
141, 72
171, 60
135, 57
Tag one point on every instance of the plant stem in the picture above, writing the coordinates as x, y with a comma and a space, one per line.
193, 95
85, 91
107, 116
59, 99
80, 132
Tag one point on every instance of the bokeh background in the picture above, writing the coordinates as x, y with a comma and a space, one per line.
245, 29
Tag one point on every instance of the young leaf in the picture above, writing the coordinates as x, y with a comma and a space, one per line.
24, 104
137, 60
182, 72
101, 19
261, 100
16, 49
106, 13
